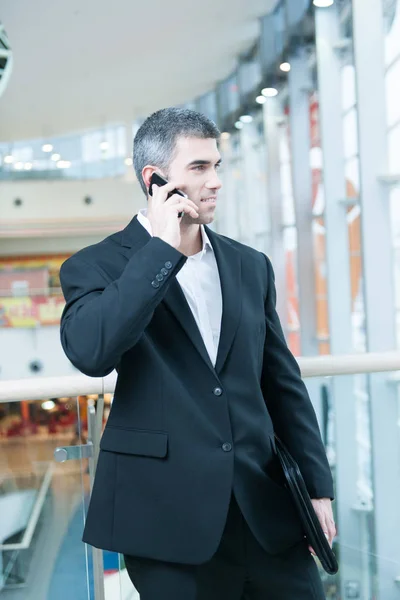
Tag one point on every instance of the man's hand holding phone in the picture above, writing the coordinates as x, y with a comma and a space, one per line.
163, 213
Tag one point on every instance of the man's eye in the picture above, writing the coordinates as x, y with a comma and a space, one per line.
199, 168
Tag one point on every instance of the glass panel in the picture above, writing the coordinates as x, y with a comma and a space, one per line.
348, 87
392, 25
280, 29
128, 592
319, 243
352, 439
393, 94
288, 212
267, 42
366, 566
350, 134
254, 211
395, 222
207, 104
394, 147
87, 155
352, 172
42, 503
249, 76
295, 12
293, 313
236, 171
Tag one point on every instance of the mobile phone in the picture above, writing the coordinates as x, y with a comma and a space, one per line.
157, 179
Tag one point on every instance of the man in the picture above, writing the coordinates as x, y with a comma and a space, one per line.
188, 486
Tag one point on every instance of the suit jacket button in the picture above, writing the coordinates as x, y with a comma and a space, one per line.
227, 447
159, 277
168, 265
155, 284
217, 391
164, 271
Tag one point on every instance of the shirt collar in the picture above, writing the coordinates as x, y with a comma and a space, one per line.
144, 221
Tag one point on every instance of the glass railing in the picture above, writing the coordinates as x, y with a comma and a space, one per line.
42, 503
48, 455
356, 401
87, 155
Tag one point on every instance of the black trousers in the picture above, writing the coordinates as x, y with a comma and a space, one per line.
239, 570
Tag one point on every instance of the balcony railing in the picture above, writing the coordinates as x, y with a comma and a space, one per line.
41, 480
36, 388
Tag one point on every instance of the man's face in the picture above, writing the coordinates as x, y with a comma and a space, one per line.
195, 167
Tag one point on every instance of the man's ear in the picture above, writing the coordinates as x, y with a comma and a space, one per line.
147, 172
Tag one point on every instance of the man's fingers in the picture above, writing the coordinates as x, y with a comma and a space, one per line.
180, 204
187, 207
160, 193
176, 199
323, 510
329, 530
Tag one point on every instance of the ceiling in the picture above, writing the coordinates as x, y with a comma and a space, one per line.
79, 65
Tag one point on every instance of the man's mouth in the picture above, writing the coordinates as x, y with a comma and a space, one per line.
210, 199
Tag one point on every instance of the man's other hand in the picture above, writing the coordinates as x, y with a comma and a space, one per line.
323, 510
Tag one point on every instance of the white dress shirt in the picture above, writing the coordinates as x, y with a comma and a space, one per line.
200, 282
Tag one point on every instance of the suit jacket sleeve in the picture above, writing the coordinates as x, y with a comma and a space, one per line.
104, 319
289, 404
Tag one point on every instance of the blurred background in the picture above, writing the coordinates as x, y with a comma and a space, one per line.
307, 95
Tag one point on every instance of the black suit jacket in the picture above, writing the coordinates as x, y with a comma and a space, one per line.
182, 434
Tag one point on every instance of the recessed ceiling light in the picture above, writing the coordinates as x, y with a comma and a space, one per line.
323, 3
239, 125
18, 166
48, 405
269, 92
285, 67
63, 164
261, 99
28, 166
225, 135
9, 159
128, 161
47, 147
246, 119
55, 156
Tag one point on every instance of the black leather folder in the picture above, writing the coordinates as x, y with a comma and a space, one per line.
301, 499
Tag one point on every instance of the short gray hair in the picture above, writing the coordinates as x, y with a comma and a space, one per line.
155, 141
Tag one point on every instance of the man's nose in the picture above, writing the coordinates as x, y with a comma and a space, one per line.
215, 183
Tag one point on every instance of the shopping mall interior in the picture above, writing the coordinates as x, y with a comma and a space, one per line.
306, 94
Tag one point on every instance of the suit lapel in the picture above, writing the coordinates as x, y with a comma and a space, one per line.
134, 236
229, 267
176, 301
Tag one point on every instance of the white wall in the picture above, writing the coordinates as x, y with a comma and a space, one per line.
64, 199
56, 210
54, 219
52, 245
19, 347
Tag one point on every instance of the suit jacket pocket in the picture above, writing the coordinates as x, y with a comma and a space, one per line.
135, 441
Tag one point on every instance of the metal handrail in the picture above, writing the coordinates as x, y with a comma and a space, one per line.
37, 388
35, 514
